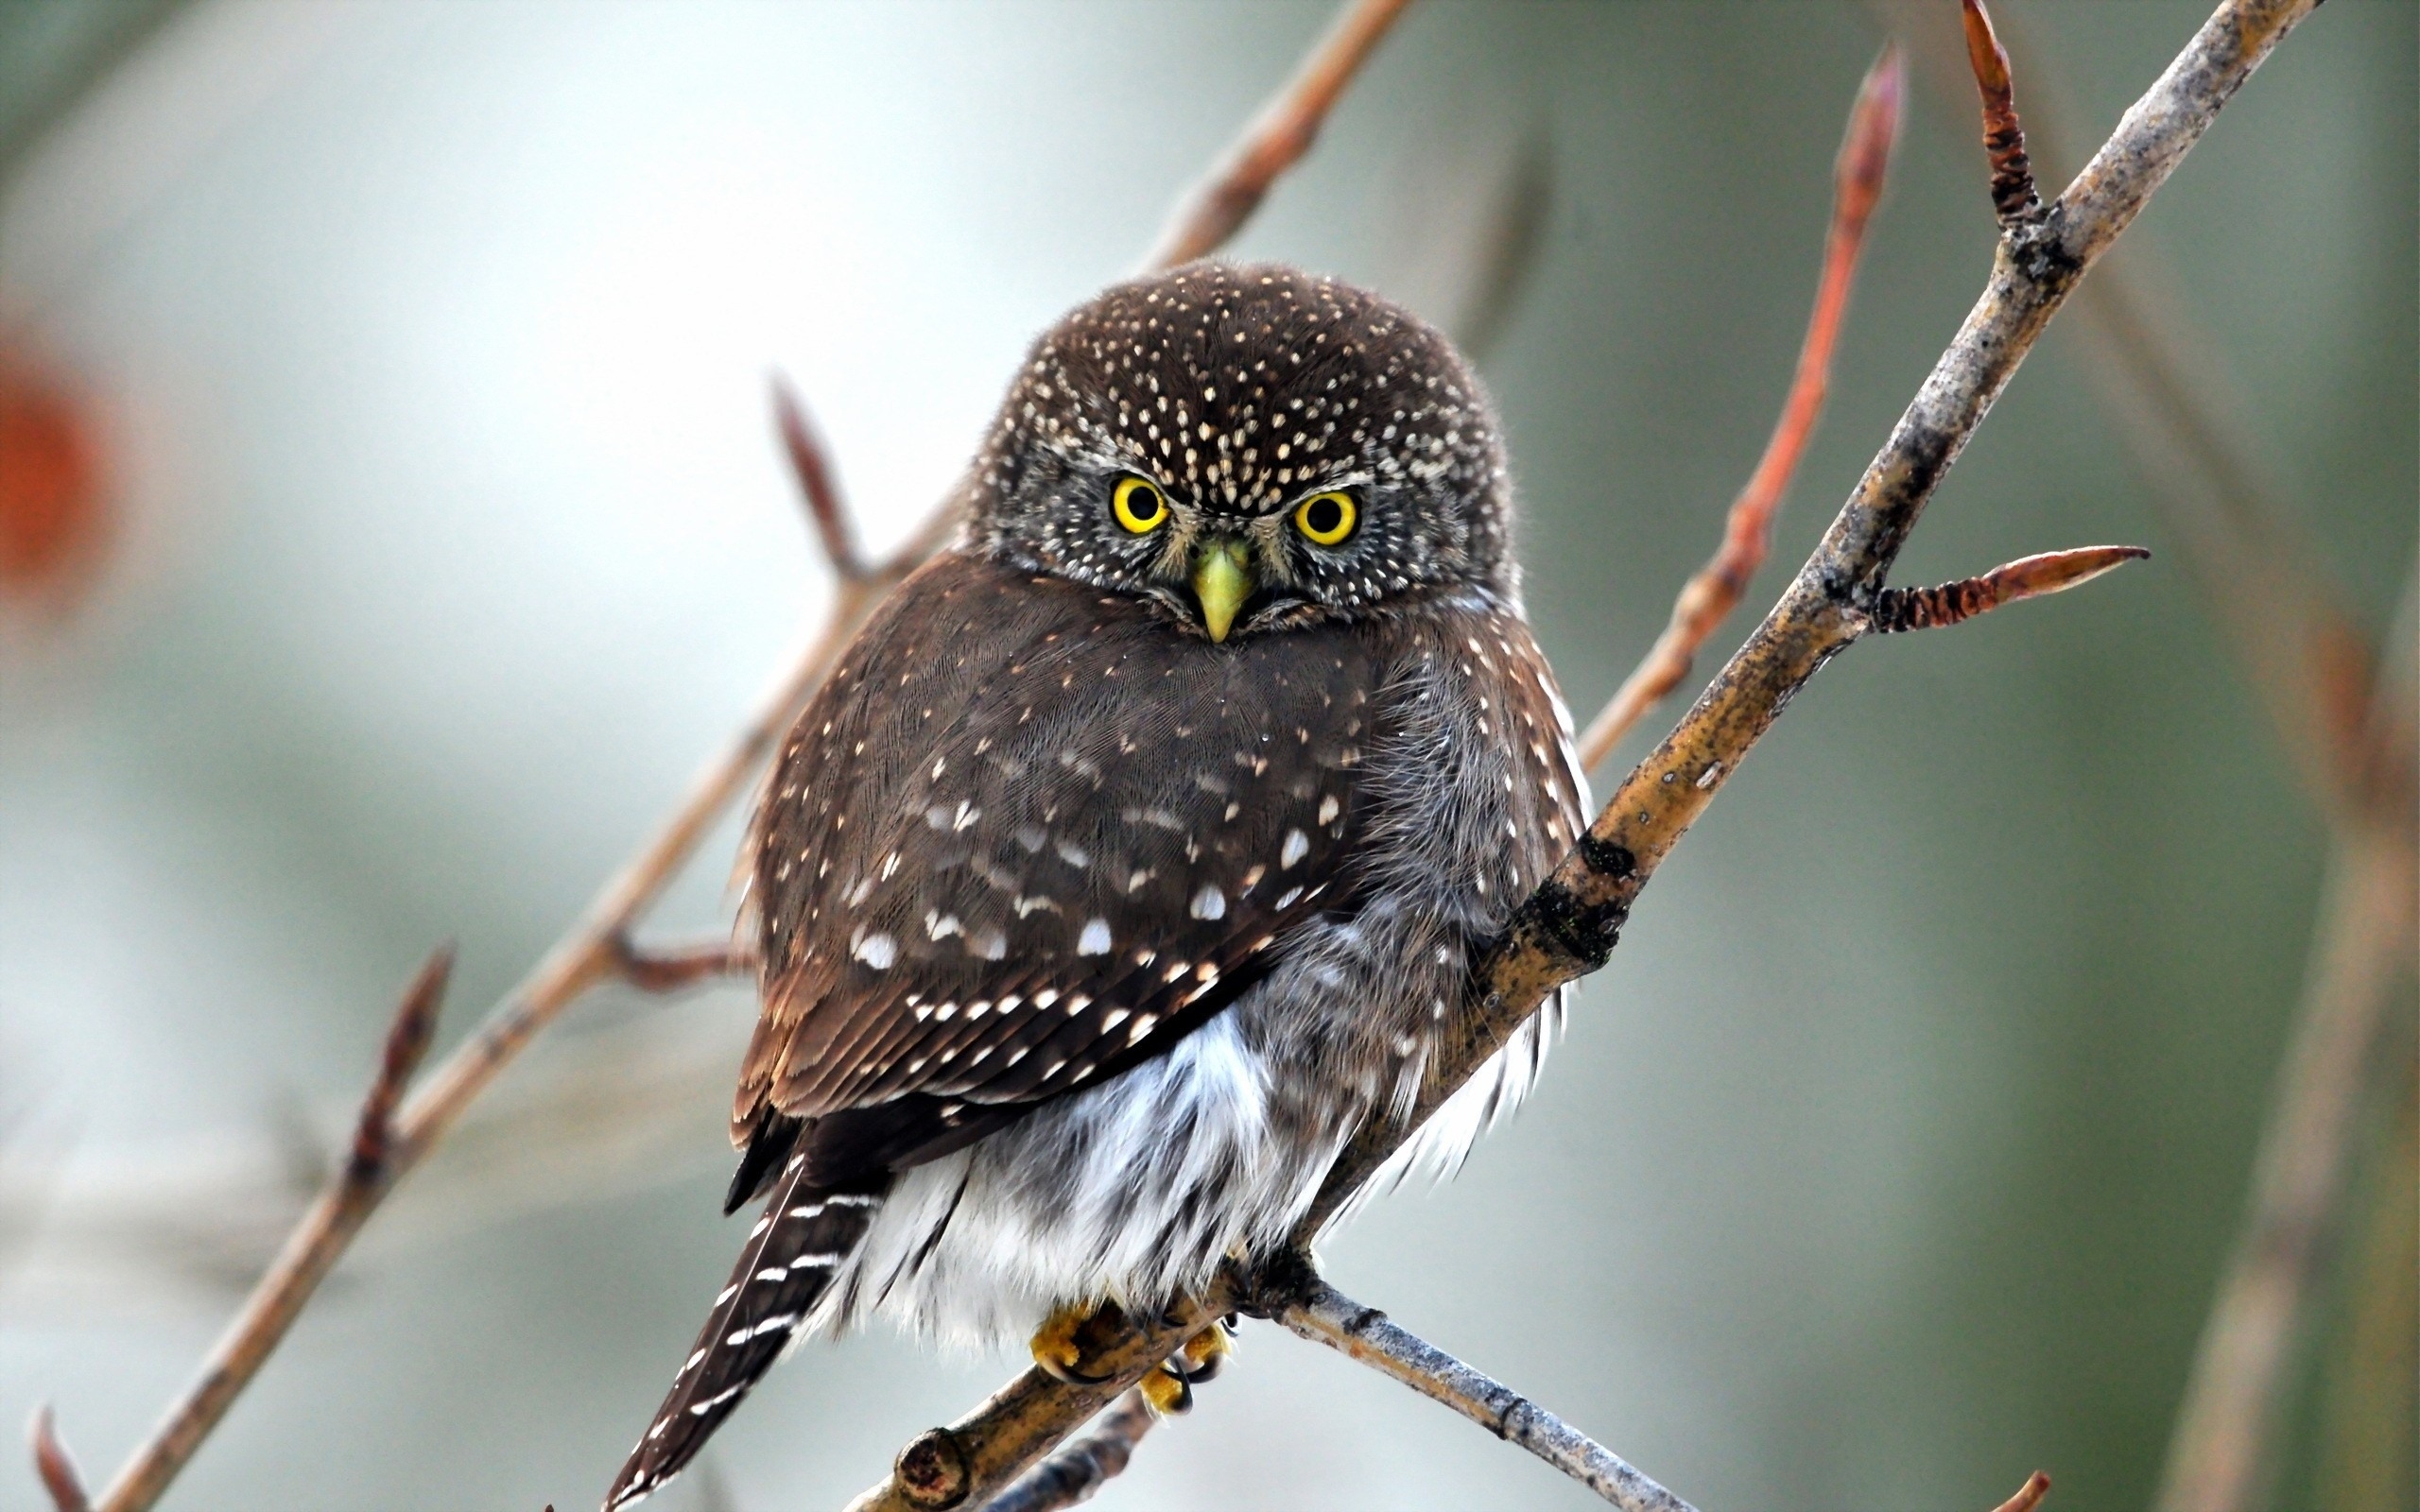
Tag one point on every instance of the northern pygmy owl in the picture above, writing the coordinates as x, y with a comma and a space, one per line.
1131, 858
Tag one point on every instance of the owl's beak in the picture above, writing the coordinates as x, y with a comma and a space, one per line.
1222, 581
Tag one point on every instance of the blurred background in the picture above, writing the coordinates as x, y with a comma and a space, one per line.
390, 521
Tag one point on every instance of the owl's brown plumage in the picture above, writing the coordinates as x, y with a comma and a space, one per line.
1094, 919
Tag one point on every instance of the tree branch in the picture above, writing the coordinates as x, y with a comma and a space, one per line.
1326, 1315
1570, 925
1072, 1475
1708, 600
2225, 1431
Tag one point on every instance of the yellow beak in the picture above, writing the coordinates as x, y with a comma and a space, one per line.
1222, 581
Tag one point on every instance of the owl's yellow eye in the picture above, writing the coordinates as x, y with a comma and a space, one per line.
1326, 518
1139, 506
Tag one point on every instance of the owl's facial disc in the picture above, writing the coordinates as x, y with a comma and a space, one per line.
1250, 449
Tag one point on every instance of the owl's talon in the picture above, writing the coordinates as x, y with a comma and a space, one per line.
1059, 1345
1206, 1351
1168, 1392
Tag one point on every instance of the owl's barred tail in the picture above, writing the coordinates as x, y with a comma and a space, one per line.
805, 1236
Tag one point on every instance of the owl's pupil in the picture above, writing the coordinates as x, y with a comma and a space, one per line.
1323, 516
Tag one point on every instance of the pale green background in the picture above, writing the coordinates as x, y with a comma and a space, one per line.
1894, 1156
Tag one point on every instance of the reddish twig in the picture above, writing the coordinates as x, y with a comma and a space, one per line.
818, 483
672, 967
56, 1467
1216, 208
1708, 598
2012, 193
2029, 1496
2053, 571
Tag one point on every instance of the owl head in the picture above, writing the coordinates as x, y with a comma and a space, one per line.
1251, 449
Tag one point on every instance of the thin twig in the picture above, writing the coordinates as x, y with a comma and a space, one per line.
1215, 210
2053, 571
1326, 1315
56, 1467
311, 1251
2013, 192
1069, 1477
1708, 598
1570, 925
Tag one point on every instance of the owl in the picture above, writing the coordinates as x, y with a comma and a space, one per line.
1133, 856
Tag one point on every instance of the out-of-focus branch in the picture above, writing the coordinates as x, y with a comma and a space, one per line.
1569, 926
311, 1251
2029, 1496
55, 1466
670, 968
1072, 1475
1708, 600
1326, 1315
592, 951
1214, 210
2369, 933
819, 485
2312, 667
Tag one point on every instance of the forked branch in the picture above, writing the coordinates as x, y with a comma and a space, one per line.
597, 946
1570, 925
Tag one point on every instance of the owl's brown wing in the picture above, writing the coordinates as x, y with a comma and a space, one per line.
1028, 835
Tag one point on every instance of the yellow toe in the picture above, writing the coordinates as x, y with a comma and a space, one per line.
1059, 1345
1168, 1393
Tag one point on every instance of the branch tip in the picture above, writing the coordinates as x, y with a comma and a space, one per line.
1897, 609
1873, 128
670, 970
2012, 193
818, 483
408, 1039
56, 1467
2029, 1496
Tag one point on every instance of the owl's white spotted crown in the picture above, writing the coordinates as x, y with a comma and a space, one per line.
1240, 389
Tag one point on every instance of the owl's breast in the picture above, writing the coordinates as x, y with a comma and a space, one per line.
1027, 830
